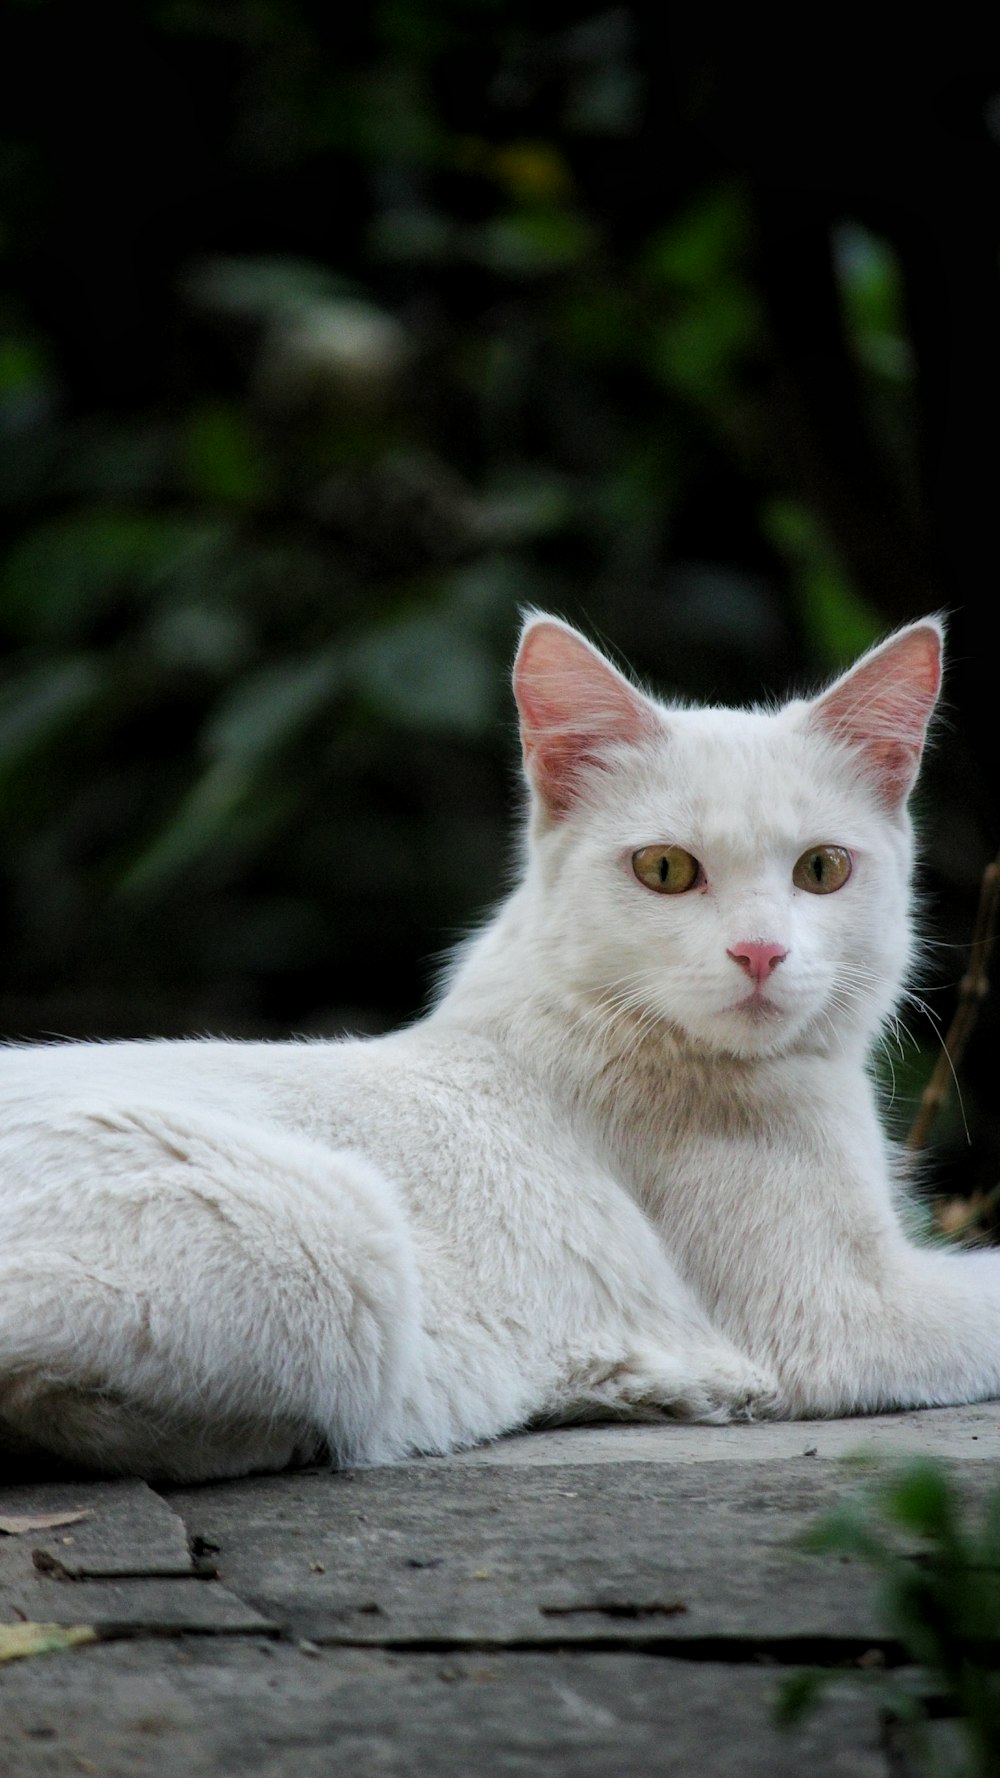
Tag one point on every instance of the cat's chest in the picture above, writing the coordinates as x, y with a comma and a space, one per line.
709, 1151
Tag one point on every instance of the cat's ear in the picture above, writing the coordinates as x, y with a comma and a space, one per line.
882, 706
573, 705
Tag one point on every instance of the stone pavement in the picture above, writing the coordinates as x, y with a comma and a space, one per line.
587, 1603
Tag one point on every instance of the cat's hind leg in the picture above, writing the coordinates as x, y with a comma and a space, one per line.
183, 1294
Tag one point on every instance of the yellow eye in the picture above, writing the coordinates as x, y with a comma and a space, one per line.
668, 869
822, 869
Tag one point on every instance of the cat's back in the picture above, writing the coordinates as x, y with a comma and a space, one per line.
414, 1101
40, 1078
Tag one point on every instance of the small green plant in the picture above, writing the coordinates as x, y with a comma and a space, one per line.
939, 1592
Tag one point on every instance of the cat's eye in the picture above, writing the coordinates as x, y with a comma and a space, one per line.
667, 869
822, 869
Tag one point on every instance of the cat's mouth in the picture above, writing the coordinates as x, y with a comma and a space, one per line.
756, 1007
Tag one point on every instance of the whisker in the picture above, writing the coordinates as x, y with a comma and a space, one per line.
936, 1021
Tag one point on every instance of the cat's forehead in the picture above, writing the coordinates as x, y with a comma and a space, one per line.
735, 777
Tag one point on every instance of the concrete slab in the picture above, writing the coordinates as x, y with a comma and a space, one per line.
127, 1564
640, 1554
153, 1607
128, 1528
219, 1709
583, 1603
970, 1433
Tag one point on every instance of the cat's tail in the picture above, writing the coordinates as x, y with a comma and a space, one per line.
204, 1298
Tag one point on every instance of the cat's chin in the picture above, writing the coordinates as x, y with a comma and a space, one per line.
751, 1027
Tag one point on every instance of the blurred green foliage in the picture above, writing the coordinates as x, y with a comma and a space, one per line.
326, 344
938, 1576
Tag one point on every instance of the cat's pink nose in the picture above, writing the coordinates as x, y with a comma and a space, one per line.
757, 959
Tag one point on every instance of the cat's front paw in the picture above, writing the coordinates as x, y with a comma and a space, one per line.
728, 1389
714, 1387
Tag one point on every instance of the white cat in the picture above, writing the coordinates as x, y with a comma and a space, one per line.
630, 1164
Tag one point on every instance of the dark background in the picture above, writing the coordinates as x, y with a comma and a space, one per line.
332, 336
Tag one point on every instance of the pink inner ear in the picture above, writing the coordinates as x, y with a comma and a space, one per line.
573, 704
882, 707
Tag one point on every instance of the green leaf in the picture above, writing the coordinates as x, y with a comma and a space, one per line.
227, 811
24, 367
223, 461
989, 1542
61, 578
871, 291
839, 622
698, 351
268, 709
37, 706
531, 242
424, 671
226, 808
800, 1693
847, 1531
920, 1498
277, 285
701, 245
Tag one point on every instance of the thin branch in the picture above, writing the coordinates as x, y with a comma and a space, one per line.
972, 991
974, 1214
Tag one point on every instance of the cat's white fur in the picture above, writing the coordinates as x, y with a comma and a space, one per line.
605, 1176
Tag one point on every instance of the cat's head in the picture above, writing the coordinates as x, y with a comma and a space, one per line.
743, 875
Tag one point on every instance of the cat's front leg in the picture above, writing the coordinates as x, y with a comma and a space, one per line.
635, 1341
925, 1332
